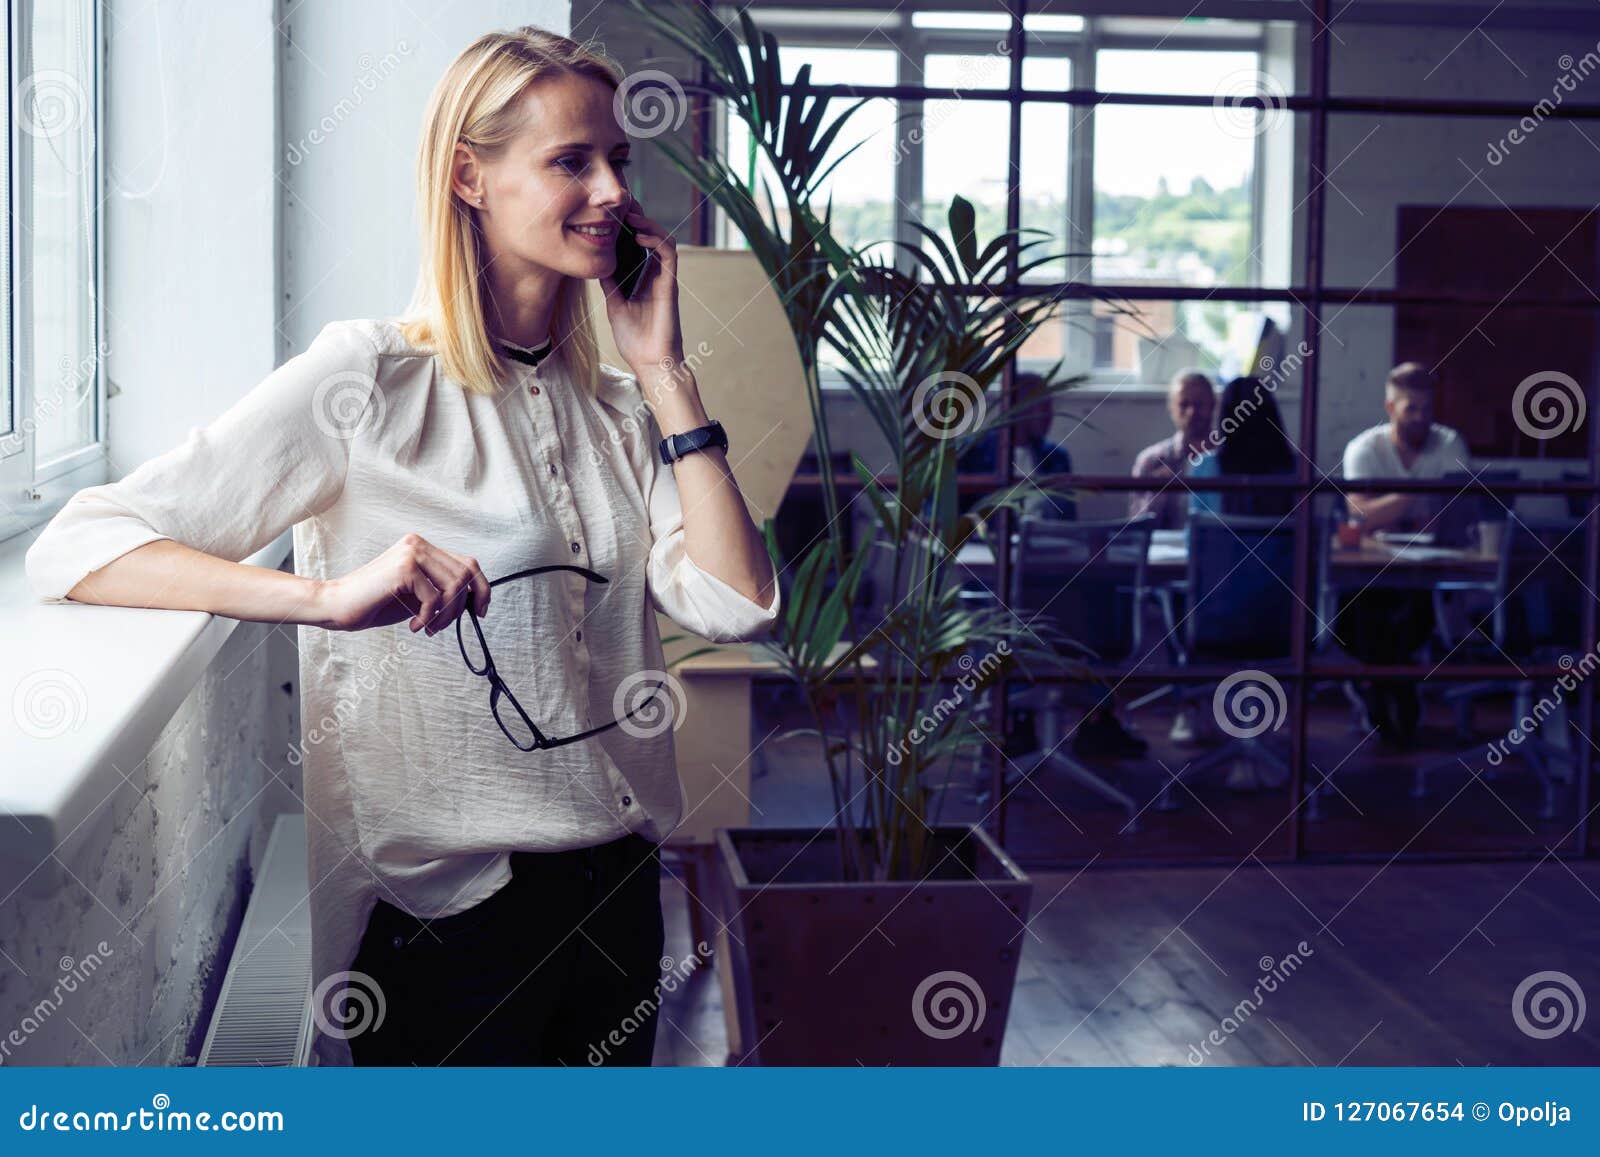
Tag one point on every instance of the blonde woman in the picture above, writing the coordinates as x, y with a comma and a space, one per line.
486, 788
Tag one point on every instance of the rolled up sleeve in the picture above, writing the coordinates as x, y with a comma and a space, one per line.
278, 456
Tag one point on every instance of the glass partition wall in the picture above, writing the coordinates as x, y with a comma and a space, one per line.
1309, 196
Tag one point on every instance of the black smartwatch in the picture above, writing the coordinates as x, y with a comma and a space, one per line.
675, 446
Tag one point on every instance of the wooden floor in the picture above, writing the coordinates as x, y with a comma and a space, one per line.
1411, 964
1052, 820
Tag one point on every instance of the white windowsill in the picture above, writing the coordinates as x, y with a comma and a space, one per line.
114, 676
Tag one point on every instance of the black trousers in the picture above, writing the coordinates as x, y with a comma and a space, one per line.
559, 967
1387, 627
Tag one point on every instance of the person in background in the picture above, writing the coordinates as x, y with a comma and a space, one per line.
1254, 444
1191, 402
1384, 625
1035, 455
1410, 444
1250, 440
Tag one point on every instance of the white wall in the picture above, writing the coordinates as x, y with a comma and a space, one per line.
203, 301
191, 242
356, 79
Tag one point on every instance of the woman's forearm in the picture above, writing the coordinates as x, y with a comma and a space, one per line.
718, 533
168, 575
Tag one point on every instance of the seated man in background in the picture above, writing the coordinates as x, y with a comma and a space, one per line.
1382, 624
1410, 444
1033, 454
1191, 402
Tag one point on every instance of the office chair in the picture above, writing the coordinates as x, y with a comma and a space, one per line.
1455, 525
1537, 617
1240, 611
1088, 580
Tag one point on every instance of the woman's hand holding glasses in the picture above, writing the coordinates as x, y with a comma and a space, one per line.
412, 579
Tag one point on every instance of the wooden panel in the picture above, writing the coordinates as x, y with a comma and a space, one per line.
1481, 354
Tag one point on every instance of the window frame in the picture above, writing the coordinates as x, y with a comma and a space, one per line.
34, 491
913, 45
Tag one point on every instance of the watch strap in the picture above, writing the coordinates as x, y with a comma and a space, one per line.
675, 446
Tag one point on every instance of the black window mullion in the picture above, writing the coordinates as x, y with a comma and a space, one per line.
1016, 42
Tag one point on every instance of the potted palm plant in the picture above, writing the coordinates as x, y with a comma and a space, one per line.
889, 937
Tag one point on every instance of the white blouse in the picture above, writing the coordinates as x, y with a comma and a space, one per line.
412, 791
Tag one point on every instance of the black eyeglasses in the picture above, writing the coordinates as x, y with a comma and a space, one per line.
521, 729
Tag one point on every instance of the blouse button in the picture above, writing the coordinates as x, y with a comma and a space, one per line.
533, 389
627, 801
580, 636
576, 548
552, 468
398, 942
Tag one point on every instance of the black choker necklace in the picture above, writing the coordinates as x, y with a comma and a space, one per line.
526, 356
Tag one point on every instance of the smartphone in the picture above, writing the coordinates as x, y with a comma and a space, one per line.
632, 260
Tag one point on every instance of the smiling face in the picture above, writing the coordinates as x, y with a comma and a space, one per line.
554, 196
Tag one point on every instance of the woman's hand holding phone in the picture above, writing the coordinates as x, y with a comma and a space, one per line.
646, 325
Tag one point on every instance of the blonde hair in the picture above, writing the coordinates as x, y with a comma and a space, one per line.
478, 102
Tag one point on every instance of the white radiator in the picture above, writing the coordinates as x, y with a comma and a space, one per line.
263, 1016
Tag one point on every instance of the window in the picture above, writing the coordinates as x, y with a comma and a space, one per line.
1137, 195
51, 419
